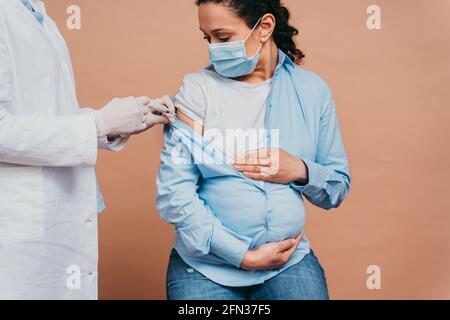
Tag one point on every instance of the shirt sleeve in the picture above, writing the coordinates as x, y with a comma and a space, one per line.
179, 204
329, 174
191, 98
38, 140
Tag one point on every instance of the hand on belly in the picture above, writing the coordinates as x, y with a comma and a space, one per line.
272, 255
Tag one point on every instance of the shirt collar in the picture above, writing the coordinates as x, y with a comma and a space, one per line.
283, 59
38, 15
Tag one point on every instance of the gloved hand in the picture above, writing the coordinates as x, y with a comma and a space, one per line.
162, 111
124, 117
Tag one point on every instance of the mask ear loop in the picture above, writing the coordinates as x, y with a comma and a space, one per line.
254, 28
260, 46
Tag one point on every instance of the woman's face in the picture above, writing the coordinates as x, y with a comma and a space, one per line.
220, 24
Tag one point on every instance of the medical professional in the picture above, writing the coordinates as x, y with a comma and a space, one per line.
49, 197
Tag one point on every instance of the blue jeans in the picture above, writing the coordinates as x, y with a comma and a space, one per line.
304, 281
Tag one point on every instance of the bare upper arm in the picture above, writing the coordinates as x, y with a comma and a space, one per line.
191, 123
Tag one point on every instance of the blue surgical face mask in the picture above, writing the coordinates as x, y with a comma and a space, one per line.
230, 58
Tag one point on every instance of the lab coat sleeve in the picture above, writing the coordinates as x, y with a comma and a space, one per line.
47, 141
179, 204
329, 174
41, 141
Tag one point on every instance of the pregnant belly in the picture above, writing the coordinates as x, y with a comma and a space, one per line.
269, 216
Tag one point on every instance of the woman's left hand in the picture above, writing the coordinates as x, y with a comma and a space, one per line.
273, 165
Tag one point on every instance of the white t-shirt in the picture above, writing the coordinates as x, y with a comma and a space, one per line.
231, 112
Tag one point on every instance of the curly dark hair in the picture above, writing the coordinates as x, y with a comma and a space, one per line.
252, 10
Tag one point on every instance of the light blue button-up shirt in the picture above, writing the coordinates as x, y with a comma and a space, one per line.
220, 214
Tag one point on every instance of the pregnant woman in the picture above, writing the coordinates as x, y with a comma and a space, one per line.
240, 219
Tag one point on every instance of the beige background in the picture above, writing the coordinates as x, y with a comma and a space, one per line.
392, 91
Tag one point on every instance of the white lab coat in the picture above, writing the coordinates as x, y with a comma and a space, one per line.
48, 151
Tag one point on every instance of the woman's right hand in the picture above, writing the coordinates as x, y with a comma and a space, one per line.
271, 256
